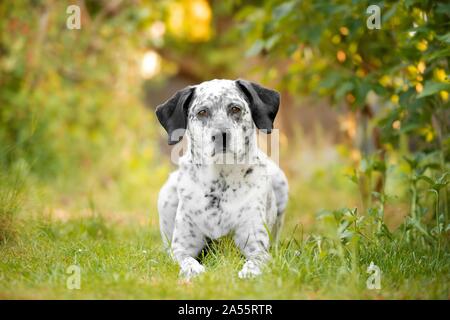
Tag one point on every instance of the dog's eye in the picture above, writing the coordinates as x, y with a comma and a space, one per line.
235, 109
202, 113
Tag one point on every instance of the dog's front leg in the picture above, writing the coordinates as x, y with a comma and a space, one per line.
186, 244
253, 240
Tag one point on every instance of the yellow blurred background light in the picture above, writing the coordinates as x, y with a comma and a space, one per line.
422, 45
419, 87
150, 65
344, 31
396, 124
341, 56
440, 75
157, 30
421, 67
190, 19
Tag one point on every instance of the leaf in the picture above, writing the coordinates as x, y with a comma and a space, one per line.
426, 179
283, 10
271, 41
256, 48
443, 8
386, 231
438, 54
442, 180
410, 127
353, 177
343, 89
362, 88
389, 13
330, 80
444, 38
432, 165
432, 87
323, 214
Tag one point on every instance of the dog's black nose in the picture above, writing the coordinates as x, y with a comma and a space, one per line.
221, 140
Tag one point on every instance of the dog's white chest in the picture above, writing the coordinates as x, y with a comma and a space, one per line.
218, 203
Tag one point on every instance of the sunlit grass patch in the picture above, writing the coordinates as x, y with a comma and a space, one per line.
130, 263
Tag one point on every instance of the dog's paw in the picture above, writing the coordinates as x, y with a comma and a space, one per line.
190, 267
249, 270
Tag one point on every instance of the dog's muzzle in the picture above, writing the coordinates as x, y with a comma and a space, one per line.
221, 141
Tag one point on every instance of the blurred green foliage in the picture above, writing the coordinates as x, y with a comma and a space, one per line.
71, 106
327, 49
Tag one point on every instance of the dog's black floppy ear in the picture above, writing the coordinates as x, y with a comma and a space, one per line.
172, 114
263, 103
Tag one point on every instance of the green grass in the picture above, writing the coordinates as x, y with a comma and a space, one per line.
119, 249
126, 261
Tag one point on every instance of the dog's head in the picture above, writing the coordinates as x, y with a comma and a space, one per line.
220, 117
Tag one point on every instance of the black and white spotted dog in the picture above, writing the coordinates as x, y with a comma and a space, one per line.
225, 184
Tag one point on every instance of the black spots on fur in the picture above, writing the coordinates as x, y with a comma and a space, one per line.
220, 185
269, 200
262, 233
225, 186
247, 172
192, 246
214, 201
261, 244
